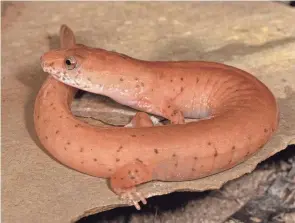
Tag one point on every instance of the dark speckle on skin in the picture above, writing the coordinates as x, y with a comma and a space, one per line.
117, 160
110, 170
94, 159
133, 135
65, 148
136, 78
171, 80
173, 155
181, 78
215, 152
77, 125
156, 151
68, 143
121, 79
197, 80
139, 160
81, 149
174, 112
119, 149
265, 130
122, 178
46, 137
181, 89
209, 143
233, 148
193, 169
196, 158
57, 131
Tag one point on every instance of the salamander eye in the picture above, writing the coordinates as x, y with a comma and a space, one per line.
70, 63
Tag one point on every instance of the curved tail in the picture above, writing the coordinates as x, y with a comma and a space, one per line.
67, 37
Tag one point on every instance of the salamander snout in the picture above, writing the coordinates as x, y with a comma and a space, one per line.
43, 64
51, 64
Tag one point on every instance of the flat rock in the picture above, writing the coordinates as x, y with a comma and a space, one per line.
251, 36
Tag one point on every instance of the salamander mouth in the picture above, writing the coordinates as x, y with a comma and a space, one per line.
64, 77
54, 72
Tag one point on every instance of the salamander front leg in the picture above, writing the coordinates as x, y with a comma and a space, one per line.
172, 113
125, 180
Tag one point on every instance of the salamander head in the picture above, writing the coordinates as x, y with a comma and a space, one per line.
67, 65
77, 66
91, 69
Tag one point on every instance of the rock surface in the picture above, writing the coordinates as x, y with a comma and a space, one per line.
252, 36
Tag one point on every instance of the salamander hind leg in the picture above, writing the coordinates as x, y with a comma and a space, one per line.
141, 119
126, 178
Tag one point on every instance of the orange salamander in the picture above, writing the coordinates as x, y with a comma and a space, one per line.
237, 115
